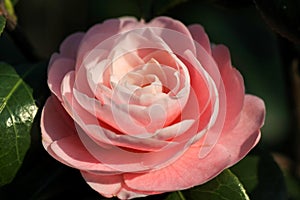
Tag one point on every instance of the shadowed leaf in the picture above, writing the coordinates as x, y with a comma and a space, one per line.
17, 112
261, 177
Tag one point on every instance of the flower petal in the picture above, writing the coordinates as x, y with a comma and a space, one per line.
59, 67
240, 140
112, 185
189, 170
108, 185
69, 46
234, 86
61, 140
200, 36
169, 23
72, 151
186, 172
52, 126
100, 32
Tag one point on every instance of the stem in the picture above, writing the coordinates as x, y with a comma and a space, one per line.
181, 195
11, 20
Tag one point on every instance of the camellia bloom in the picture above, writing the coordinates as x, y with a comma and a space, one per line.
145, 108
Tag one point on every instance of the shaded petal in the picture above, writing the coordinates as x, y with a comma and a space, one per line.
171, 30
59, 67
132, 161
214, 113
240, 140
184, 173
72, 151
233, 83
55, 122
110, 186
59, 138
169, 23
200, 36
69, 46
189, 170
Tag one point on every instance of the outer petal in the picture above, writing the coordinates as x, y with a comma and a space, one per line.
184, 173
189, 170
200, 36
112, 185
59, 67
71, 151
178, 37
169, 23
62, 63
240, 140
55, 122
234, 85
107, 186
61, 141
69, 46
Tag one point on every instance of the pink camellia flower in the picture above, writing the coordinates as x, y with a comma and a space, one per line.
145, 108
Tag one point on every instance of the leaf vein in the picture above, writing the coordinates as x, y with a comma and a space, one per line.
15, 131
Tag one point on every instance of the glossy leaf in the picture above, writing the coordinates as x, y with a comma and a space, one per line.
261, 177
17, 112
2, 24
224, 186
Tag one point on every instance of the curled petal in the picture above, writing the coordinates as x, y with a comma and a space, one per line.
59, 67
61, 140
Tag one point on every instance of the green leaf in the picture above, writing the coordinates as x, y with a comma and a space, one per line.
226, 186
262, 177
17, 112
246, 170
2, 24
